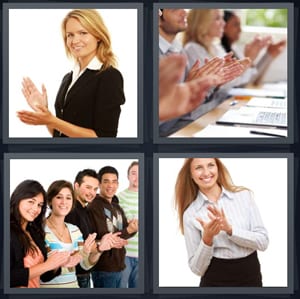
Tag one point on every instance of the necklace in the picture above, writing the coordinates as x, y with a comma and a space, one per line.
53, 226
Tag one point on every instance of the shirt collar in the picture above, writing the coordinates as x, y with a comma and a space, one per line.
165, 46
114, 199
94, 64
201, 198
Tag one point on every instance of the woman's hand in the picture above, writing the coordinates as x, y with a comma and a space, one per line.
73, 260
41, 116
89, 243
253, 48
32, 94
210, 229
275, 49
232, 68
230, 71
57, 258
210, 67
214, 212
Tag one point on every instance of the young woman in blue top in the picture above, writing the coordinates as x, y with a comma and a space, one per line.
67, 237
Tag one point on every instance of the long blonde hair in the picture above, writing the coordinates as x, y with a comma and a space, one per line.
186, 189
91, 20
199, 22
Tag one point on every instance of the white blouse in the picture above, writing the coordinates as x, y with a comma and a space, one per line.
248, 231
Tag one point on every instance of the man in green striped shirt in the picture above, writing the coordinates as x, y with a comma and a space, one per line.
128, 200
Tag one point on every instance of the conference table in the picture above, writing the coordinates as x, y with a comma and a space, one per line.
205, 125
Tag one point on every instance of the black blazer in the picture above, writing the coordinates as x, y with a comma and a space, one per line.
92, 102
19, 275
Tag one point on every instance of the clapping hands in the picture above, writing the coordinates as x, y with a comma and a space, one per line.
223, 69
217, 222
32, 95
111, 240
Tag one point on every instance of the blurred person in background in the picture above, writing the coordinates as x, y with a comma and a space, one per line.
253, 49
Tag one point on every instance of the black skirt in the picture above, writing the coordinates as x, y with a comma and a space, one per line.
241, 272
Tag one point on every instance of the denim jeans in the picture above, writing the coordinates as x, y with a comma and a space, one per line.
103, 279
131, 273
84, 280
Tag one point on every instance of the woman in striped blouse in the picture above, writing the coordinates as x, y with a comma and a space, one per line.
63, 236
221, 224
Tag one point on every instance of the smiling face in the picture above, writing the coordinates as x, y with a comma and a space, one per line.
204, 172
172, 21
217, 25
108, 185
133, 177
87, 190
82, 45
62, 202
30, 208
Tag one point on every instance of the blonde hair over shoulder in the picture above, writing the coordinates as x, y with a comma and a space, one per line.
199, 22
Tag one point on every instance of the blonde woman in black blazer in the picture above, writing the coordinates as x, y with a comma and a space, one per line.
89, 98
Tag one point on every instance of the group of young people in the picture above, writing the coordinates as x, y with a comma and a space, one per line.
84, 235
196, 73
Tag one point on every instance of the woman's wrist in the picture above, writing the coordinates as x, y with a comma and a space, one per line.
207, 240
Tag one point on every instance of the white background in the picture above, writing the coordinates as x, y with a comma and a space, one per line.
267, 178
36, 50
46, 171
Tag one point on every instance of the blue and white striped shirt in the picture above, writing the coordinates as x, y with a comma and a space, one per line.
68, 275
248, 231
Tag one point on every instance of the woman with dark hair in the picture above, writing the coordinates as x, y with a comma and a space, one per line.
28, 254
67, 237
221, 225
231, 35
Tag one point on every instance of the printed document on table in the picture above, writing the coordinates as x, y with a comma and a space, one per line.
267, 102
258, 116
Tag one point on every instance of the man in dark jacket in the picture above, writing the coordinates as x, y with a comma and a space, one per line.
107, 216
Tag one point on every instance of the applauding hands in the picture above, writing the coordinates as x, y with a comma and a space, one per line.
32, 95
109, 241
217, 222
223, 69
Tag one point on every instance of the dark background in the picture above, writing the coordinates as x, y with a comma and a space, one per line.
148, 148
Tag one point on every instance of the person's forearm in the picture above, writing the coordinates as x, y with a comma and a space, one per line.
38, 270
50, 130
69, 129
201, 258
94, 257
89, 260
250, 239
